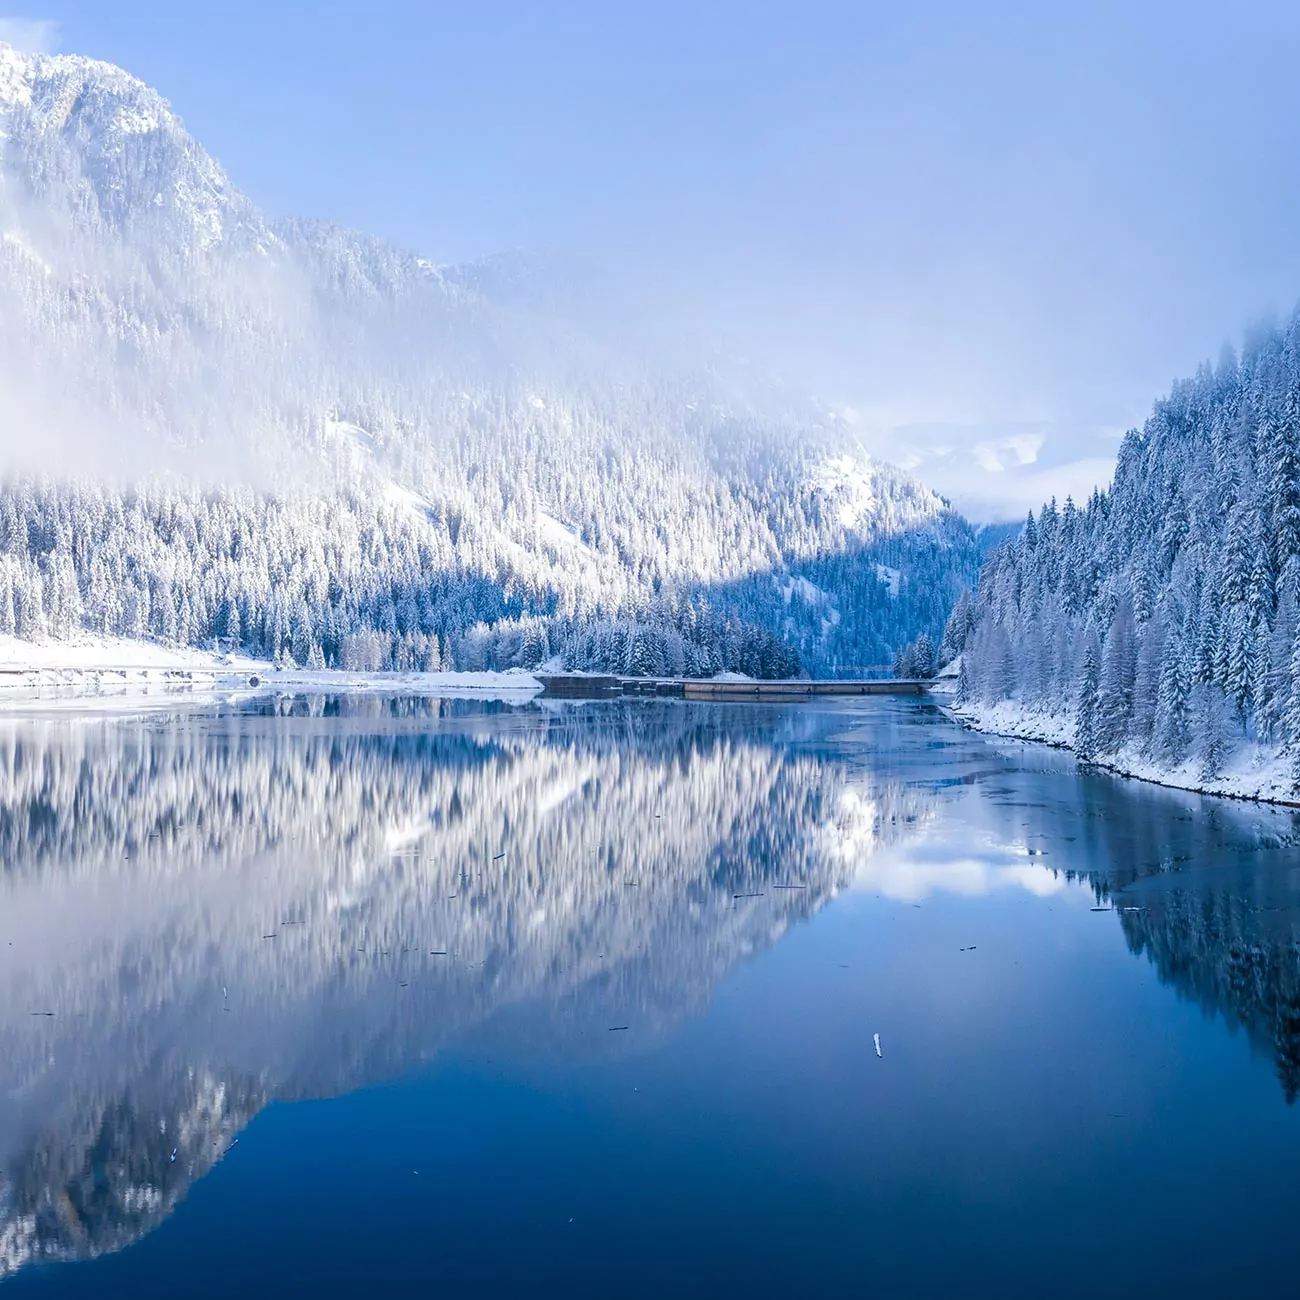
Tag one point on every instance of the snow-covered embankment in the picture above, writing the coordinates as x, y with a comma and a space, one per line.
1253, 771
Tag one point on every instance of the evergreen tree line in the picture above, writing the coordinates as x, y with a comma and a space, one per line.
353, 581
549, 467
1163, 615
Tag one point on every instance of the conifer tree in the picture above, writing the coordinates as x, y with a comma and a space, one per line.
1086, 731
1173, 706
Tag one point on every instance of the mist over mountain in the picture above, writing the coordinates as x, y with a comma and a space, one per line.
530, 463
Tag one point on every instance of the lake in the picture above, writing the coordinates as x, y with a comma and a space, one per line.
328, 995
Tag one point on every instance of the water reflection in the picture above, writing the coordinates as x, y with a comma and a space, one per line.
1208, 890
201, 914
204, 913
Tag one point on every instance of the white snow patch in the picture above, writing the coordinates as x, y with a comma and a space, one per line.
116, 673
89, 652
1260, 772
111, 672
514, 685
810, 594
849, 479
557, 533
890, 577
808, 591
17, 242
137, 121
412, 502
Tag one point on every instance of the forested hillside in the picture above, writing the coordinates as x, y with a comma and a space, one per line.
1157, 625
224, 425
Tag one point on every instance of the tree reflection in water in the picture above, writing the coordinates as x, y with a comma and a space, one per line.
294, 900
306, 896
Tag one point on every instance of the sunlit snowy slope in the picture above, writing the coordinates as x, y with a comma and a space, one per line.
407, 451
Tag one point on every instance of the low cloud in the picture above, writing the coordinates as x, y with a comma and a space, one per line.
1008, 496
995, 457
994, 474
32, 35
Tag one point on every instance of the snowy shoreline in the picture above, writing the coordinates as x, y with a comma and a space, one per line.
1257, 773
93, 673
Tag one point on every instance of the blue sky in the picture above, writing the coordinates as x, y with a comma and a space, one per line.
994, 232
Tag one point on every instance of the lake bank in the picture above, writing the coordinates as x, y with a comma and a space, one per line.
1258, 773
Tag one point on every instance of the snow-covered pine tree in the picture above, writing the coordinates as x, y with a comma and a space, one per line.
1115, 688
1210, 724
1172, 725
1087, 733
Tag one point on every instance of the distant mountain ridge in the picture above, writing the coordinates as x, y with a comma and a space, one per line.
152, 319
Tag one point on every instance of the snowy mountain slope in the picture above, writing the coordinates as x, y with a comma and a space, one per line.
151, 317
1155, 629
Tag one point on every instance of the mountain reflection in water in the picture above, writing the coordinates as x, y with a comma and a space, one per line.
202, 914
206, 912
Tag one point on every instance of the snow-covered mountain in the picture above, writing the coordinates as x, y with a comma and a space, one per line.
539, 438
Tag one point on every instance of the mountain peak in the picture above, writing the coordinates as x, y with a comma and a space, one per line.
127, 154
52, 86
528, 442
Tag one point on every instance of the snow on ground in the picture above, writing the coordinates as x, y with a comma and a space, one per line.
412, 502
90, 653
810, 594
1254, 771
98, 671
847, 480
558, 534
950, 672
890, 577
808, 591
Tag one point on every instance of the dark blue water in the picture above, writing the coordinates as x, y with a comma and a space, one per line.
367, 994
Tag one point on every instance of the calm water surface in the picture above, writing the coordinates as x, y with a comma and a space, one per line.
328, 996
